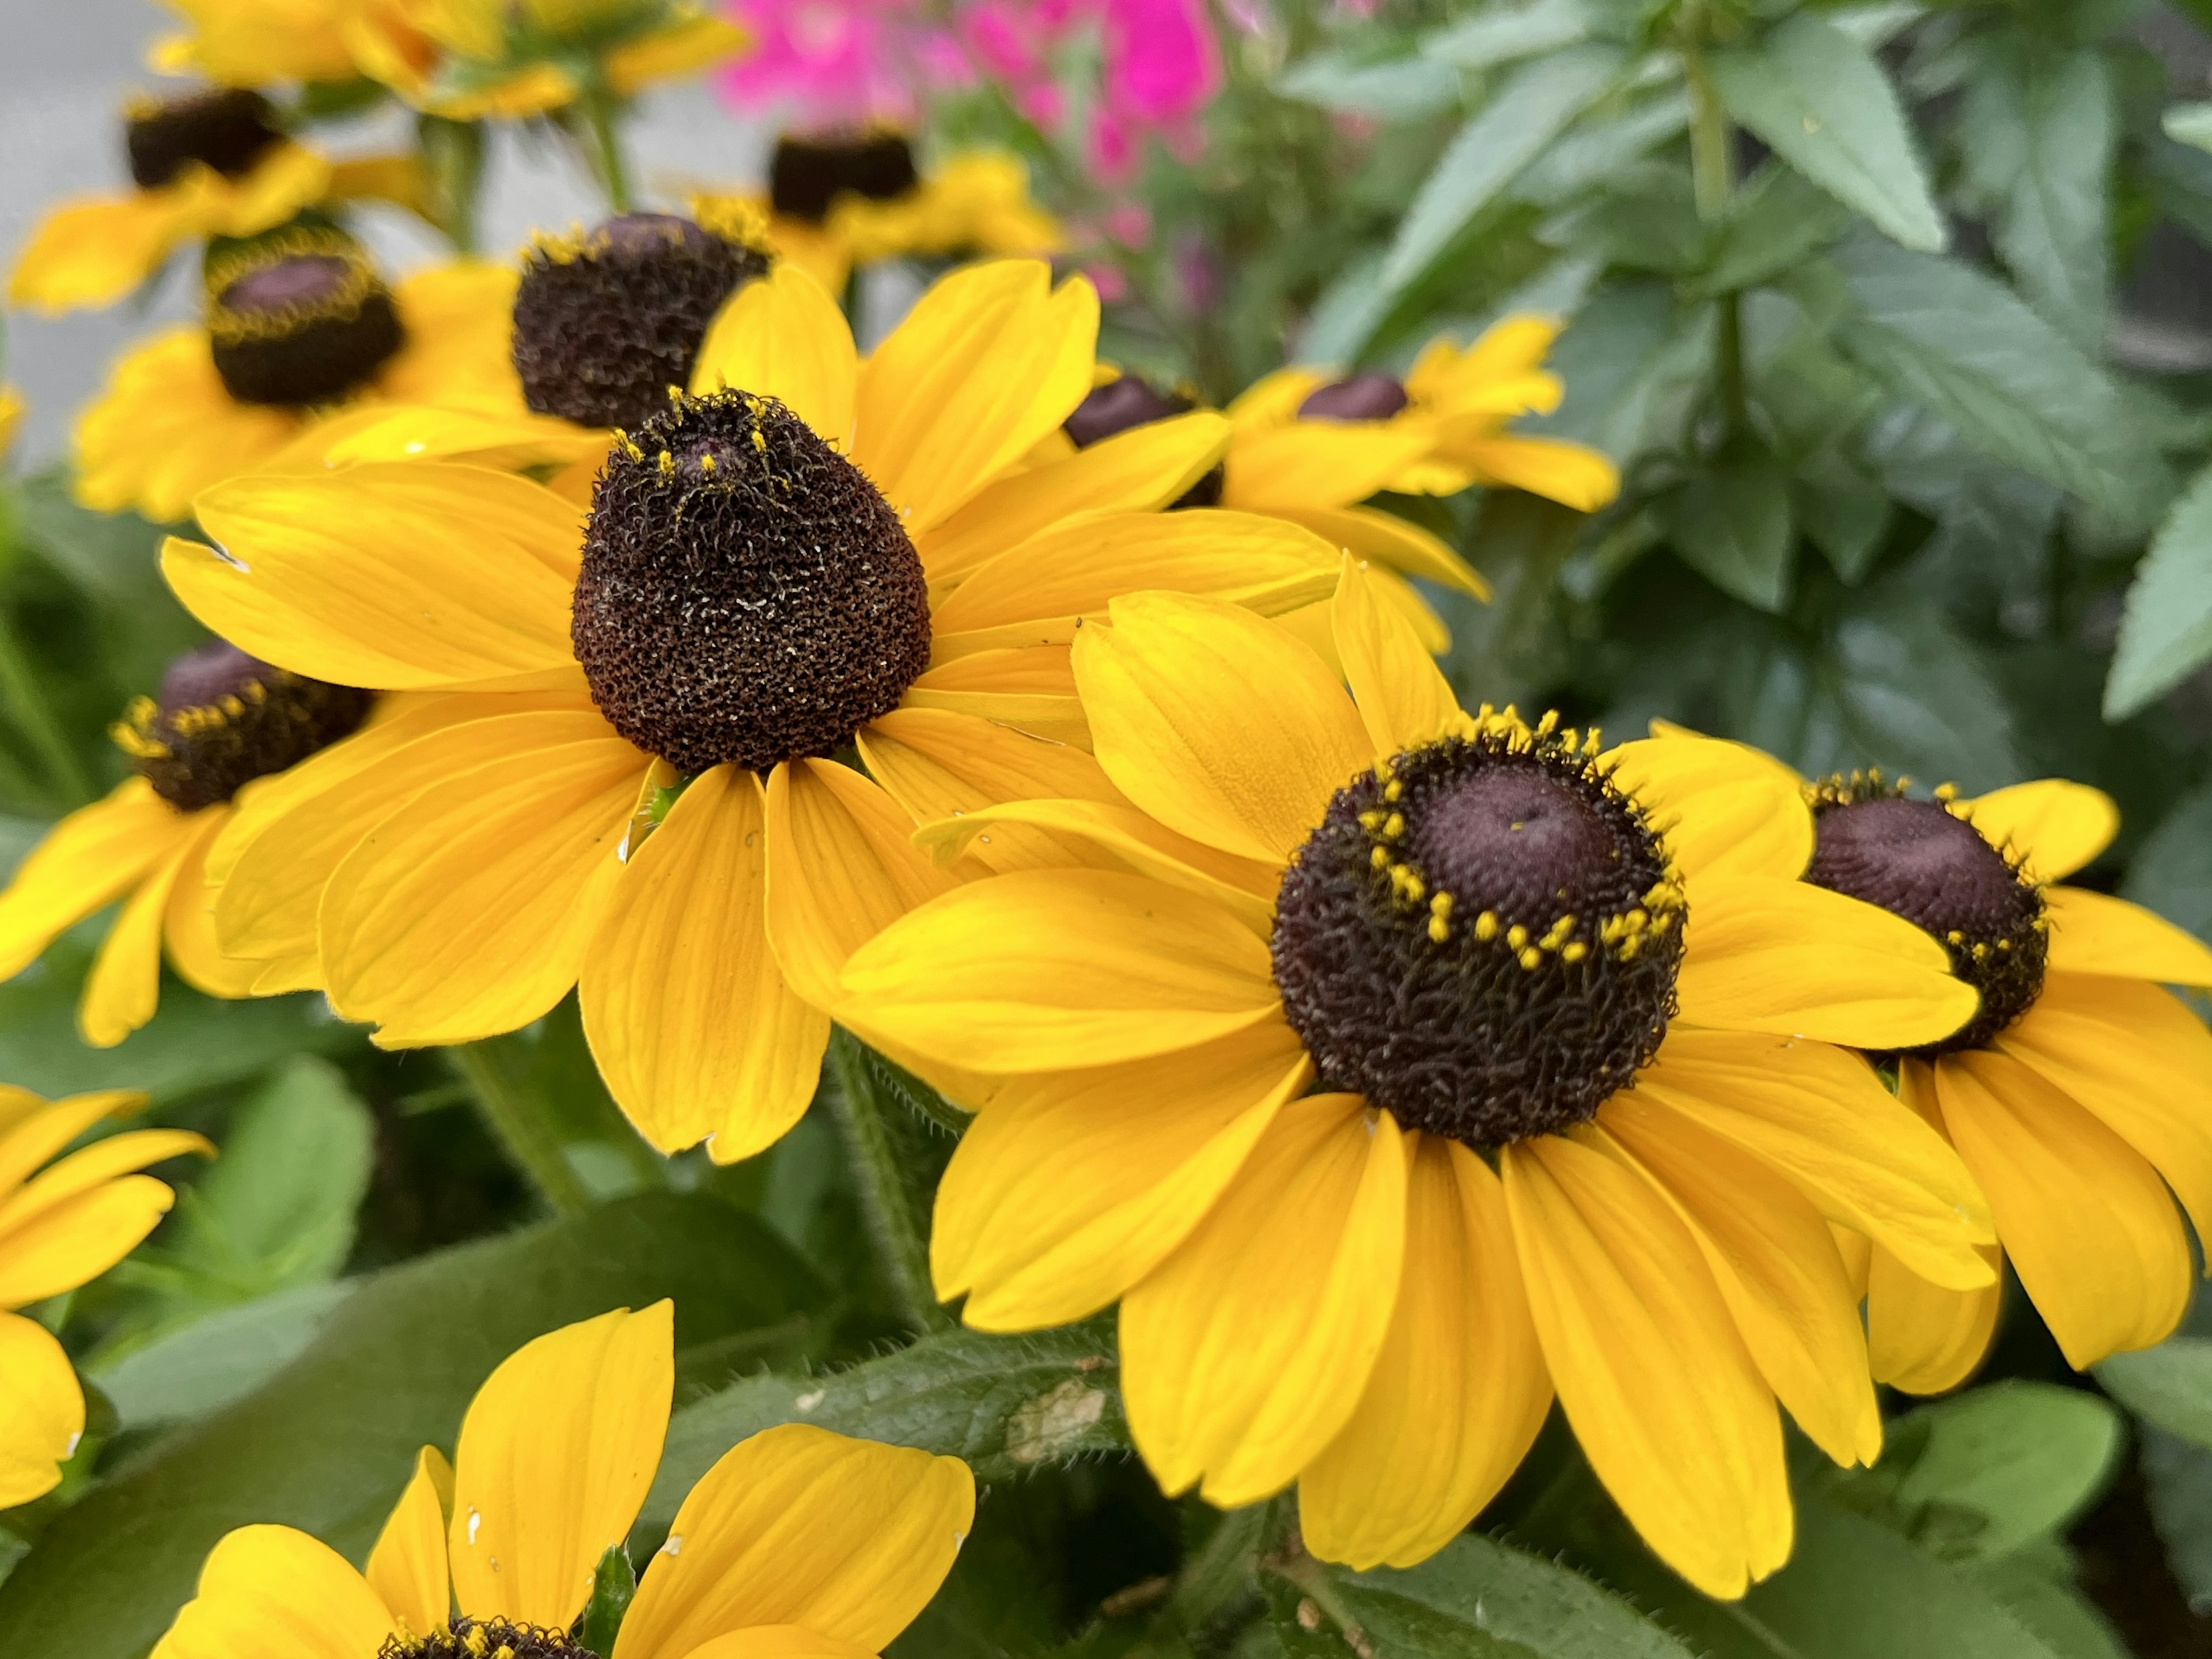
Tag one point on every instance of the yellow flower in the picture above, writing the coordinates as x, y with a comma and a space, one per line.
222, 721
1578, 1123
171, 421
798, 1544
745, 608
11, 418
59, 1229
252, 43
834, 204
2078, 1098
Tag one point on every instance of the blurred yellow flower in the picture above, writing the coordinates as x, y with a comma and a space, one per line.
252, 43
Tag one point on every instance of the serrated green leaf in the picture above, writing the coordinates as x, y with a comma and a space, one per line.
1771, 225
1845, 514
2040, 1594
1004, 1404
2169, 1385
1630, 361
2166, 631
327, 1444
1730, 522
1395, 90
2178, 1490
1964, 347
1818, 98
1500, 35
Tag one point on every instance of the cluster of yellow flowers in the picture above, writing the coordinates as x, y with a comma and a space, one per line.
607, 621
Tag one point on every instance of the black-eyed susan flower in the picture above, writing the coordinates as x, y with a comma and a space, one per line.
1395, 1066
2078, 1095
61, 1227
211, 163
222, 721
797, 617
838, 200
798, 1544
299, 324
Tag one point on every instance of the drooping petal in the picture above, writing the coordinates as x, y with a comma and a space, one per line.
32, 1131
2095, 933
1821, 1116
94, 251
75, 1241
1775, 1266
1458, 1392
188, 927
85, 862
796, 1526
1574, 475
782, 336
1663, 1395
273, 1593
841, 867
2055, 826
41, 1409
1725, 808
1369, 533
1796, 960
414, 573
124, 986
1051, 970
1244, 1354
1318, 464
1069, 1188
1403, 697
407, 1568
1921, 1337
557, 1453
694, 1030
89, 1167
1218, 725
468, 911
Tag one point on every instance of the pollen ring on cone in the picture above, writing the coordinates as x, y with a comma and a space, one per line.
224, 719
1482, 935
299, 317
485, 1638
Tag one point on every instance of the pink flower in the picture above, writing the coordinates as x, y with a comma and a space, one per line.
841, 62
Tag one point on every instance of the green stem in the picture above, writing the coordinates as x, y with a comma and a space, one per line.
453, 155
606, 147
1712, 179
494, 1070
887, 1196
19, 689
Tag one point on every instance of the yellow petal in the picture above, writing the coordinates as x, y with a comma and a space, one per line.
286, 178
684, 46
86, 861
1403, 700
407, 1568
797, 1526
93, 251
75, 1241
841, 867
1317, 464
939, 764
782, 336
1274, 398
189, 925
2094, 933
1570, 474
1796, 960
468, 912
273, 1593
35, 1131
1921, 1337
1070, 1187
1218, 725
1777, 1267
1369, 533
2085, 1218
1046, 969
778, 1641
1821, 1117
124, 986
414, 573
163, 428
1725, 808
383, 431
1139, 471
90, 1168
2055, 826
687, 1014
1245, 1352
986, 363
1661, 1390
1032, 690
1457, 1394
556, 1456
41, 1411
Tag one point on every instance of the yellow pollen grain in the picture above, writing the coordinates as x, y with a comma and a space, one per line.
1371, 820
1394, 791
1531, 958
1947, 792
1393, 826
1441, 905
1485, 925
1955, 936
1516, 937
1574, 952
666, 465
1549, 724
1439, 929
1379, 857
760, 443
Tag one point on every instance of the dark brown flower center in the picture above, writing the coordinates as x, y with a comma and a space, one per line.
606, 323
485, 1638
226, 128
299, 319
746, 595
1918, 860
224, 719
1367, 397
1481, 936
805, 176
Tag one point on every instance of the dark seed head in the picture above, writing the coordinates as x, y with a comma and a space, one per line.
298, 319
224, 719
483, 1638
747, 595
225, 128
1917, 860
1481, 936
1132, 401
1361, 398
806, 176
606, 323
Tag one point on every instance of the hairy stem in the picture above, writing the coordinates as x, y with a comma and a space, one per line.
1713, 178
888, 1197
495, 1071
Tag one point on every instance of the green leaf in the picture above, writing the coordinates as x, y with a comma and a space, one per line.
1772, 224
2035, 1586
613, 1585
1962, 345
1630, 361
1479, 1597
1818, 98
2189, 124
1004, 1404
2166, 631
1399, 89
1500, 35
2178, 1490
212, 1361
1845, 513
2169, 1385
2172, 871
1530, 109
327, 1444
1730, 522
